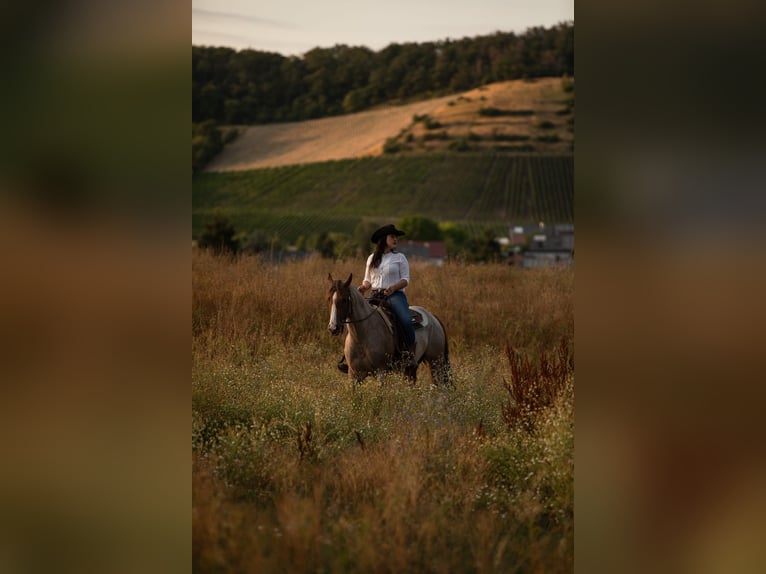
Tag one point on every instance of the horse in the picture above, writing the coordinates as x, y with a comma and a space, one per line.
370, 347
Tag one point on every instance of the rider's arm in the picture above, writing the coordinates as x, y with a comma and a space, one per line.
401, 284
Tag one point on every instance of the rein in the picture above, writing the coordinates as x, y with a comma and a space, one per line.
347, 320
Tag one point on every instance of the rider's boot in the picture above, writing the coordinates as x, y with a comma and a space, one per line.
410, 357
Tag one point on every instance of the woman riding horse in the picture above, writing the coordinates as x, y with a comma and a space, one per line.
370, 347
388, 274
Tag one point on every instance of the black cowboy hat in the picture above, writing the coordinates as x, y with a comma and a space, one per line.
384, 231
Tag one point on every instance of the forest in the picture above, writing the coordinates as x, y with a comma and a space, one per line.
245, 87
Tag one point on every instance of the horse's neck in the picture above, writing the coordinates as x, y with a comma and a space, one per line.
367, 320
361, 308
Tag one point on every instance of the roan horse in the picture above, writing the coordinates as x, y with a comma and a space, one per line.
370, 346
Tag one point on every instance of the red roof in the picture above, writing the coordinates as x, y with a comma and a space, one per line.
433, 248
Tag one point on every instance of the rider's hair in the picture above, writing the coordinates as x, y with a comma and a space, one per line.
377, 255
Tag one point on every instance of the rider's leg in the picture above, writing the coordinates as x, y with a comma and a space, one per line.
401, 309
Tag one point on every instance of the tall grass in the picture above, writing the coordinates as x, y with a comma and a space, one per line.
293, 471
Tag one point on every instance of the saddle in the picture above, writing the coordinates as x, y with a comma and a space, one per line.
417, 318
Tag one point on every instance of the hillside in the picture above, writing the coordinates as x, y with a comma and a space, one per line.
519, 116
353, 135
473, 190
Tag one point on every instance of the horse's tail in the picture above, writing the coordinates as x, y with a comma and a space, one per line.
446, 368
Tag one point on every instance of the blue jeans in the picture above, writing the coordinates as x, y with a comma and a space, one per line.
401, 309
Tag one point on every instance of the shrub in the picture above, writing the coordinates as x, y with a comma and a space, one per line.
490, 112
325, 245
545, 125
420, 228
497, 136
207, 142
255, 242
230, 136
219, 236
494, 112
548, 138
535, 385
392, 146
356, 100
459, 145
435, 136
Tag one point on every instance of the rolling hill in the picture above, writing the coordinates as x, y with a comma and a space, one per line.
521, 116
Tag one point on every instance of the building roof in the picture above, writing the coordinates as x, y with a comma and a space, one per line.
415, 248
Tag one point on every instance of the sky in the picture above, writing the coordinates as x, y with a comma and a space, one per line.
293, 27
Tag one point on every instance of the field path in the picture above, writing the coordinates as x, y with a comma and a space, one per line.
342, 137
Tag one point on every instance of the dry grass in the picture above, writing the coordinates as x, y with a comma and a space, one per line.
293, 471
545, 98
353, 135
535, 386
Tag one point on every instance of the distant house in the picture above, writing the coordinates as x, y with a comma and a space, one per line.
434, 252
517, 235
545, 245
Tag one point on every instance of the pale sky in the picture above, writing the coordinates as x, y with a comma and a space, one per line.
293, 27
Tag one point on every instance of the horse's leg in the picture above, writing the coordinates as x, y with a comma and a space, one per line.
441, 372
411, 373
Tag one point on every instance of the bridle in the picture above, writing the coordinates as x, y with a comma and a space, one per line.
348, 320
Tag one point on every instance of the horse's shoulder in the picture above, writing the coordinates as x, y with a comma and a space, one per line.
385, 317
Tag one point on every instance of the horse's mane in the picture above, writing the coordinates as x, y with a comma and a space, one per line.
356, 296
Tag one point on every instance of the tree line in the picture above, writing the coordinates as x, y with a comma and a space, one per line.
255, 87
221, 238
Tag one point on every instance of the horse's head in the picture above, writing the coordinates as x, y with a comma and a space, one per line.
339, 300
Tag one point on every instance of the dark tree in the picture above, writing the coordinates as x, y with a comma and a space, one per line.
218, 236
325, 245
420, 228
252, 87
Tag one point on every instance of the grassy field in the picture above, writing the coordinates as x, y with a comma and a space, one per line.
475, 190
293, 471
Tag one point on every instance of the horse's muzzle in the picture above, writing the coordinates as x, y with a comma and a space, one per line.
335, 330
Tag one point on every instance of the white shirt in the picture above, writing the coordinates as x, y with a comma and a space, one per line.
392, 268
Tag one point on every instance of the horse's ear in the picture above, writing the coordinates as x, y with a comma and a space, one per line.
348, 281
329, 278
